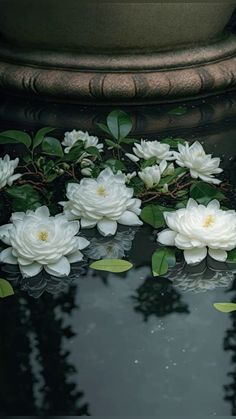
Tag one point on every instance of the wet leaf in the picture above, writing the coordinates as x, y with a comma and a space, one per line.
6, 289
15, 137
225, 307
203, 193
153, 216
24, 197
163, 259
112, 265
119, 124
52, 147
39, 136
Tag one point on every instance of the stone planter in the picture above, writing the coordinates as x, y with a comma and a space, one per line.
116, 52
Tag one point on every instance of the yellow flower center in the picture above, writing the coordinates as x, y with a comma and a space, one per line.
101, 191
208, 221
43, 236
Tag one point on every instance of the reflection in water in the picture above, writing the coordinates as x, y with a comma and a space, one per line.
158, 297
36, 375
205, 276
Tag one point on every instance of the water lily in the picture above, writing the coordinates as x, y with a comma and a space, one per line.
39, 241
7, 168
111, 247
201, 165
151, 175
199, 229
147, 149
102, 202
71, 138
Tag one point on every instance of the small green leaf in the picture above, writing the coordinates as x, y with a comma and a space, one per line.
180, 110
112, 265
162, 259
119, 124
93, 151
231, 256
24, 197
203, 193
149, 162
39, 136
225, 307
152, 215
115, 165
6, 289
112, 144
104, 128
75, 152
52, 147
129, 141
173, 142
178, 172
137, 184
14, 137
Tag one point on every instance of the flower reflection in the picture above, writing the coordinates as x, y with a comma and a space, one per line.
111, 247
43, 282
205, 277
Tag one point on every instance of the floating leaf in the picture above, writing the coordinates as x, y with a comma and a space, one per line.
163, 259
231, 256
180, 110
24, 197
39, 136
6, 289
52, 146
152, 215
112, 265
225, 307
119, 124
14, 137
203, 193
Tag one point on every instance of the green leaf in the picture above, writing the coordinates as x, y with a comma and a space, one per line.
93, 151
129, 140
180, 110
231, 256
149, 162
24, 197
173, 142
112, 265
178, 172
162, 259
115, 165
137, 184
52, 147
74, 153
152, 215
6, 289
225, 307
39, 136
203, 193
111, 143
104, 128
14, 137
119, 124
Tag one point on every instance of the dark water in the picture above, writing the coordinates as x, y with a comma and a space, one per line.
128, 344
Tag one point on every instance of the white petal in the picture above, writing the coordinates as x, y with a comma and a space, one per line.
85, 223
4, 233
167, 237
6, 256
42, 212
129, 218
75, 257
195, 255
217, 254
13, 178
30, 270
107, 227
132, 157
82, 243
60, 268
191, 204
214, 205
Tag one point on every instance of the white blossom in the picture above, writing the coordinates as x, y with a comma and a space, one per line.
7, 168
148, 149
151, 175
71, 138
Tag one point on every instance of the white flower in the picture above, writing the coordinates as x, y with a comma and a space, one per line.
197, 229
201, 165
71, 138
104, 202
128, 176
151, 175
147, 149
111, 247
39, 241
7, 168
